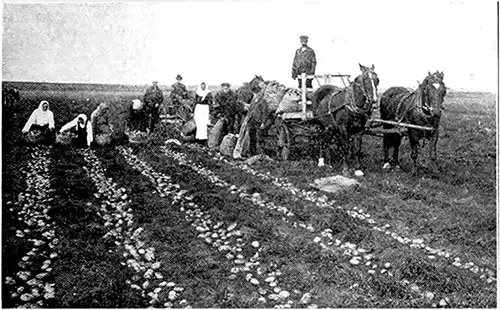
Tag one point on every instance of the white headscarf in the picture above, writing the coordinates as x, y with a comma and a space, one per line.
75, 123
202, 93
137, 104
40, 117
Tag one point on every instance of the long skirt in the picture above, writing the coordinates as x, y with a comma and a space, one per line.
201, 118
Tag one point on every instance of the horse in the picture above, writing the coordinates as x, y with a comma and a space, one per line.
343, 113
247, 92
422, 107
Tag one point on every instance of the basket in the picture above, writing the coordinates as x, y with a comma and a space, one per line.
64, 138
103, 139
138, 137
34, 136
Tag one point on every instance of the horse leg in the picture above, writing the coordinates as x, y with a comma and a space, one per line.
345, 147
386, 147
415, 145
432, 151
395, 152
357, 148
322, 146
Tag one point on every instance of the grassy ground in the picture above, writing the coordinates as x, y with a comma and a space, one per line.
453, 210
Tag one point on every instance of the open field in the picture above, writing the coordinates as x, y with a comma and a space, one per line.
177, 226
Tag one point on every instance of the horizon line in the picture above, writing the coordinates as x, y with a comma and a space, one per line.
189, 85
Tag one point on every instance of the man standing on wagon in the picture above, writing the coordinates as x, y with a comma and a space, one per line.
304, 62
153, 98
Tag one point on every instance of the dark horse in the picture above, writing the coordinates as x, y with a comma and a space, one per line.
246, 92
422, 107
343, 114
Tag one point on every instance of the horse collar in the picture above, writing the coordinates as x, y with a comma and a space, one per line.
352, 100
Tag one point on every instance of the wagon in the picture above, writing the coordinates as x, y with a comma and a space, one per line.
291, 125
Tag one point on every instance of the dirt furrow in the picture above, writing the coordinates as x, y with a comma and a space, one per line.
358, 257
411, 241
140, 257
222, 236
30, 286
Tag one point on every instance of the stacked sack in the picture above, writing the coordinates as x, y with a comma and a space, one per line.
215, 134
273, 93
291, 101
228, 143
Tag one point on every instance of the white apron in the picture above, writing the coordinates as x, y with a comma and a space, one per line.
201, 118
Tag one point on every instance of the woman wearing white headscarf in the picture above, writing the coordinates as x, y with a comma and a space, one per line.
42, 120
202, 112
82, 128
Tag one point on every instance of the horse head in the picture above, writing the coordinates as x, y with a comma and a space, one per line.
255, 83
433, 92
365, 87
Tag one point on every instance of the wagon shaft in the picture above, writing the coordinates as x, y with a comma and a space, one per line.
377, 120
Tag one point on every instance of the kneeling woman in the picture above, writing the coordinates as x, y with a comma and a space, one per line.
41, 120
81, 128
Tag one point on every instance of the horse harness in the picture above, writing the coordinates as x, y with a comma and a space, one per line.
420, 105
350, 105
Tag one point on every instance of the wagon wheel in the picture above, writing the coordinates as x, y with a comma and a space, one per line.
184, 113
284, 142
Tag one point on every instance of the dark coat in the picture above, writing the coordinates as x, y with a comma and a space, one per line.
226, 104
179, 92
153, 98
304, 62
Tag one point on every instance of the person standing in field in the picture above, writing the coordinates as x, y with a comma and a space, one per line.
82, 128
153, 98
41, 122
202, 112
179, 94
226, 106
304, 62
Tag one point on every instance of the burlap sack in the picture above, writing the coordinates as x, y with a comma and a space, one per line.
228, 144
188, 128
291, 101
273, 94
243, 143
215, 135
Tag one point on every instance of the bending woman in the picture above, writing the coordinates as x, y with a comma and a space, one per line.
42, 120
202, 112
82, 128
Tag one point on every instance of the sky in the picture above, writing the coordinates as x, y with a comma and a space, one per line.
231, 41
